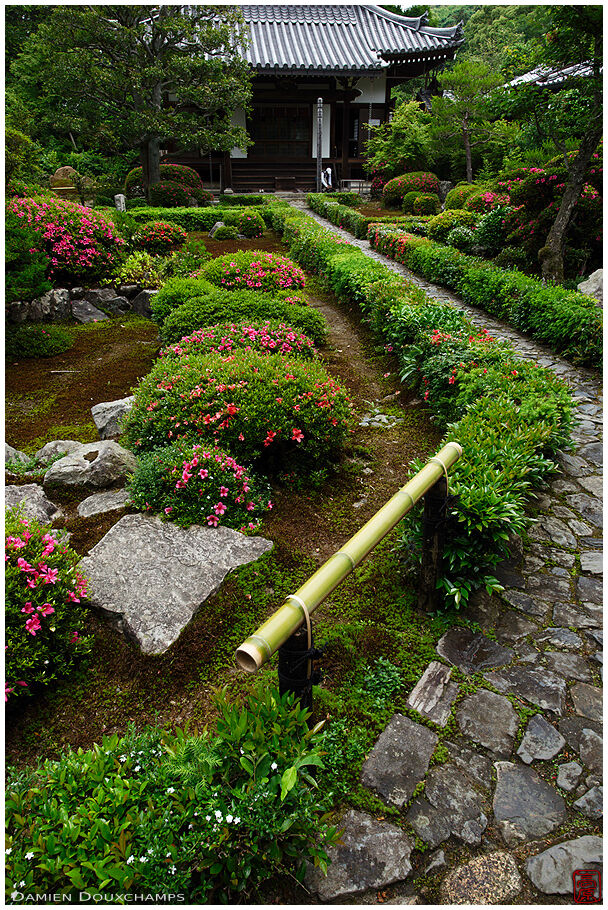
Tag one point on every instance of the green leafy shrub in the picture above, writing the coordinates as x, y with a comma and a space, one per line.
239, 199
187, 259
194, 485
255, 270
174, 173
462, 238
190, 218
381, 681
44, 618
271, 411
29, 341
409, 199
226, 232
441, 225
251, 224
264, 337
457, 197
26, 267
426, 204
485, 201
160, 237
141, 268
19, 154
398, 187
491, 231
169, 194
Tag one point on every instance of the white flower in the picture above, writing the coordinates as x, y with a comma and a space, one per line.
172, 870
8, 851
137, 767
14, 895
171, 790
274, 766
130, 860
151, 850
229, 819
237, 821
143, 859
29, 855
22, 884
207, 818
218, 815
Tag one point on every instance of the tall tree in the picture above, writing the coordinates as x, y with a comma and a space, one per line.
460, 111
141, 75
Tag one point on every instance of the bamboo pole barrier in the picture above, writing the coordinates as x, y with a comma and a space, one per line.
260, 646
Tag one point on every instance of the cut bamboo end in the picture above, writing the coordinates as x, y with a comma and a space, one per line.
249, 657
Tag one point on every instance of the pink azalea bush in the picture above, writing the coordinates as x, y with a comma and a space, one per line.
394, 191
251, 224
78, 242
44, 616
160, 237
273, 412
254, 270
193, 484
265, 337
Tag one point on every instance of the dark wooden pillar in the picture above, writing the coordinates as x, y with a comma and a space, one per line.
227, 171
345, 136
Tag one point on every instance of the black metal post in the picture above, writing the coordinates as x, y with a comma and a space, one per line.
433, 536
295, 667
319, 142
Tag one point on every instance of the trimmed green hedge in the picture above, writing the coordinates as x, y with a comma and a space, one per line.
569, 322
510, 416
350, 219
192, 219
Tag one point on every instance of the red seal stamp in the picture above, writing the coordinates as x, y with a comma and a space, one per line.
587, 886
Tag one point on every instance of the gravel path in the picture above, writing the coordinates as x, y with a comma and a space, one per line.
516, 808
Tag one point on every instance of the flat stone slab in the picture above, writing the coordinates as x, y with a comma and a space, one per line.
525, 806
372, 855
150, 577
472, 652
570, 666
541, 741
489, 719
84, 312
490, 879
566, 615
592, 561
538, 686
99, 503
108, 416
511, 627
399, 760
587, 701
591, 750
568, 775
531, 605
573, 729
34, 501
589, 589
591, 803
560, 638
458, 800
94, 466
551, 871
434, 694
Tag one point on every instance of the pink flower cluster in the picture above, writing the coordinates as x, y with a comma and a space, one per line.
281, 339
77, 240
265, 272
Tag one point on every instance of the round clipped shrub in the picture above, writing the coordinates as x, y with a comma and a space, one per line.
265, 337
485, 201
78, 242
37, 341
168, 195
440, 226
43, 587
141, 268
491, 231
191, 484
457, 197
174, 173
226, 232
462, 238
398, 187
409, 199
251, 224
255, 270
275, 412
160, 236
216, 306
183, 261
427, 204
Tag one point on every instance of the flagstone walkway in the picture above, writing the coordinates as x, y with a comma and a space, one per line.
517, 805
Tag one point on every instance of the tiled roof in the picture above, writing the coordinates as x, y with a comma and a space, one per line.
339, 39
552, 77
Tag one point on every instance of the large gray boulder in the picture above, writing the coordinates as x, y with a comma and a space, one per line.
108, 415
53, 305
108, 300
85, 312
57, 447
150, 577
372, 855
551, 871
36, 505
141, 303
98, 503
95, 466
594, 285
12, 454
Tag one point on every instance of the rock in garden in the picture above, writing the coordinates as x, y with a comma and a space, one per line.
568, 775
541, 741
538, 686
459, 801
429, 823
128, 290
591, 750
551, 871
12, 454
84, 312
570, 666
574, 729
108, 415
591, 803
525, 806
566, 615
95, 466
524, 602
373, 854
399, 760
587, 701
36, 505
594, 285
589, 589
434, 694
53, 305
57, 447
141, 303
472, 652
151, 577
592, 561
436, 863
490, 879
108, 300
215, 228
99, 503
560, 638
511, 626
489, 719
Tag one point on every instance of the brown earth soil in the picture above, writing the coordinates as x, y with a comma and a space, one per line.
378, 210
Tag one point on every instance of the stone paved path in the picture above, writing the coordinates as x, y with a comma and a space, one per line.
523, 796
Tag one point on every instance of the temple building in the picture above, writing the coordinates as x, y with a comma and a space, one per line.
351, 57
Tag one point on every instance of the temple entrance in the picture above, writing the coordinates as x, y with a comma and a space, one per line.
280, 132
